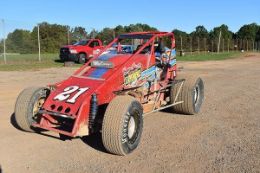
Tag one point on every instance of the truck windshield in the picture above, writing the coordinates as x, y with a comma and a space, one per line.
82, 43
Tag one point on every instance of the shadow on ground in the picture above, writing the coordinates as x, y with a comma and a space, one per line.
58, 61
36, 130
95, 141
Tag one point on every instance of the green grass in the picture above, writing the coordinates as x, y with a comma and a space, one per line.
209, 56
22, 62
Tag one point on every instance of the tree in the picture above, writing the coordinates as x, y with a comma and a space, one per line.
52, 36
78, 33
248, 32
258, 34
106, 35
225, 32
19, 41
199, 37
180, 36
200, 32
119, 30
1, 46
139, 28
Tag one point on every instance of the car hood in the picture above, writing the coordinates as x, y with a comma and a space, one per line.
104, 73
90, 82
73, 46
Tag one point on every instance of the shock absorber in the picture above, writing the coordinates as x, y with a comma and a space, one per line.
93, 111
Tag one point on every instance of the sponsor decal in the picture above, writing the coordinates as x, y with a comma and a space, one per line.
132, 74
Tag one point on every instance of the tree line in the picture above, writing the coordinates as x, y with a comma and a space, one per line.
53, 36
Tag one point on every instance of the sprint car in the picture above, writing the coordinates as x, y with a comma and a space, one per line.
113, 92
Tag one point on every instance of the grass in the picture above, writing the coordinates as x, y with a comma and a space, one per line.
22, 62
209, 56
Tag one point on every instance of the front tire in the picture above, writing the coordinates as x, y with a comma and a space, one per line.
27, 105
192, 93
82, 58
122, 125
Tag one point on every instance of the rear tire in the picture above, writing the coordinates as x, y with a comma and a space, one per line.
192, 93
27, 105
82, 58
122, 125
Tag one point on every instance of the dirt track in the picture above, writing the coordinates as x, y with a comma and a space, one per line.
224, 137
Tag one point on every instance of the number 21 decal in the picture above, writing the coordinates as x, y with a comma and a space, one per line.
65, 95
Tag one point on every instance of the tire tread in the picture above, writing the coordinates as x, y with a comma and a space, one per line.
112, 124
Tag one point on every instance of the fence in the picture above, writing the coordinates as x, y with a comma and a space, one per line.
196, 45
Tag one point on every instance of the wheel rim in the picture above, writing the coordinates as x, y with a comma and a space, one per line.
196, 94
131, 127
37, 107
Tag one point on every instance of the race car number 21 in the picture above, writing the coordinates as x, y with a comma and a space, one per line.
67, 92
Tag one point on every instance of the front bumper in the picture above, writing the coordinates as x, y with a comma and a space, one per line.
69, 57
65, 55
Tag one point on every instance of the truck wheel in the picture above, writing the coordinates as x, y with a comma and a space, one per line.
122, 125
192, 93
28, 103
82, 58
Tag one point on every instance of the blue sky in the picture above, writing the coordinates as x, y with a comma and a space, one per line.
162, 14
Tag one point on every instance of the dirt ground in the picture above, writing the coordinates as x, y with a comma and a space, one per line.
223, 137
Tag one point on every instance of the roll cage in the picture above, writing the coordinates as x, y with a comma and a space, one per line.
149, 36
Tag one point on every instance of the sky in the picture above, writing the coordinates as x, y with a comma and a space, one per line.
165, 15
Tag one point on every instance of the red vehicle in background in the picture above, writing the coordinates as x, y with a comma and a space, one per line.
81, 51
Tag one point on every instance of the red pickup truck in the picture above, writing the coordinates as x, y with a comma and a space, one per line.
81, 51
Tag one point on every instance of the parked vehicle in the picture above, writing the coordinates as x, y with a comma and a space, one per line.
81, 51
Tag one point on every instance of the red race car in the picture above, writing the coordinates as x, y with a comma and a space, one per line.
112, 92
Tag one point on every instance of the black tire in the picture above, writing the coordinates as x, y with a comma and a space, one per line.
25, 113
82, 58
119, 136
192, 93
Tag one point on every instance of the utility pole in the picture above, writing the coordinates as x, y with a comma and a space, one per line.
241, 44
181, 43
68, 35
247, 45
205, 49
93, 35
212, 46
228, 45
235, 44
198, 45
223, 46
39, 44
219, 37
191, 45
3, 22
